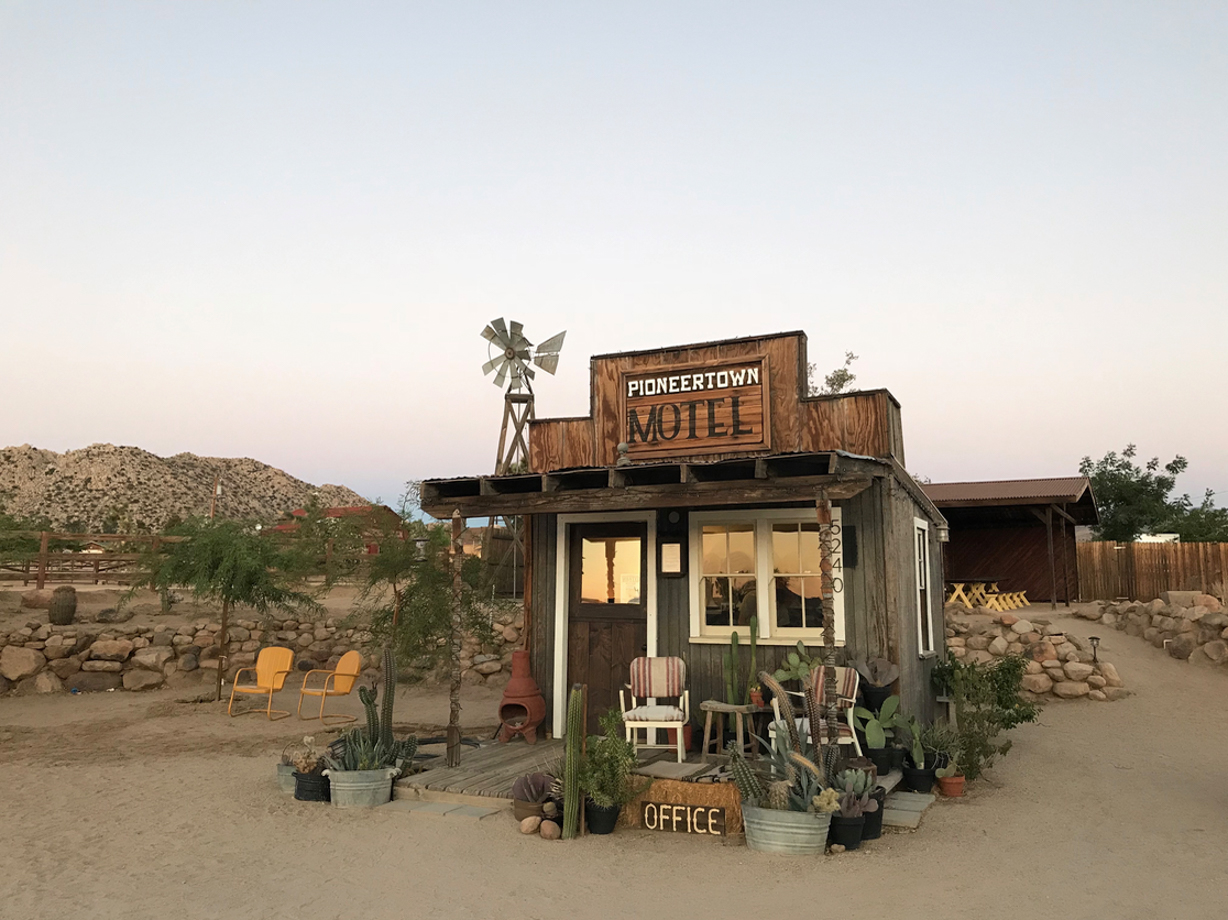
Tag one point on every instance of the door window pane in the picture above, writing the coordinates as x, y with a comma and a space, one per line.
610, 570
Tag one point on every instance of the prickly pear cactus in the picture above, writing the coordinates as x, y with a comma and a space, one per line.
63, 607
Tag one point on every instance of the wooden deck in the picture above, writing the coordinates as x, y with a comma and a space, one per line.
484, 772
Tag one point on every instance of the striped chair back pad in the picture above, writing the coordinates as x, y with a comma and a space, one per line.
658, 677
846, 683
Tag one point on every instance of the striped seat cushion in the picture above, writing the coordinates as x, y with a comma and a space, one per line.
846, 683
658, 677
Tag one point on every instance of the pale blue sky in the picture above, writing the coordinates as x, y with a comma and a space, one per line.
276, 229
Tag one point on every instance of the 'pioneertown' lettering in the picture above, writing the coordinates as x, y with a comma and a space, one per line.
704, 409
693, 383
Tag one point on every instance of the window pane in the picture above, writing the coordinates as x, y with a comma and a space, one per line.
716, 602
811, 556
784, 548
742, 549
788, 600
610, 571
812, 592
714, 550
744, 601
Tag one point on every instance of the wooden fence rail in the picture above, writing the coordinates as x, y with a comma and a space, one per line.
1142, 571
58, 564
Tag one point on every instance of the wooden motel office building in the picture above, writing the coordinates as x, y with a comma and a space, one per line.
688, 500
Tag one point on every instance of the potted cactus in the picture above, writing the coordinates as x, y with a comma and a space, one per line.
530, 794
362, 763
951, 779
920, 772
879, 728
607, 775
854, 788
877, 676
310, 783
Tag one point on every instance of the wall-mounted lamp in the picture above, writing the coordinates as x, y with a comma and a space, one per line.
944, 533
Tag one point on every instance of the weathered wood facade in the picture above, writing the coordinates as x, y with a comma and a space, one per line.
667, 475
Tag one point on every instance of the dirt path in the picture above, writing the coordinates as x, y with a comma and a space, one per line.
132, 806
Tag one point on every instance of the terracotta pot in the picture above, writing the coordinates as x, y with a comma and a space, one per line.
756, 697
524, 810
952, 786
686, 736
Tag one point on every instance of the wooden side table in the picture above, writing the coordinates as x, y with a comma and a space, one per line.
721, 710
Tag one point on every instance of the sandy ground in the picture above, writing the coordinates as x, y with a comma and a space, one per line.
134, 806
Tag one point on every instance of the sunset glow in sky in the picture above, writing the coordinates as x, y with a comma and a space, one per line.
276, 229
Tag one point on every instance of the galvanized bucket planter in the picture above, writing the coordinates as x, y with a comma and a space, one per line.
285, 777
361, 788
795, 833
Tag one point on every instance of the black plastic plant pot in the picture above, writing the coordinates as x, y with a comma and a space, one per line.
897, 758
881, 758
846, 831
600, 820
919, 780
311, 787
873, 828
874, 697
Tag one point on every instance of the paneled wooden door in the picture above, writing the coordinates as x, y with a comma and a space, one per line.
607, 612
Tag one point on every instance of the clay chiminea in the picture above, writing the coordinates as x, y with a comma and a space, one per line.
522, 708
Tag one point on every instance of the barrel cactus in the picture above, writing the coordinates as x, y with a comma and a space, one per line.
63, 607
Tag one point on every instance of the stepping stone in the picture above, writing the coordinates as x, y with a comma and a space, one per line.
474, 812
427, 808
896, 817
910, 801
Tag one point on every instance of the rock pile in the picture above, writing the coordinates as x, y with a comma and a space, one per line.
1190, 626
41, 658
1060, 666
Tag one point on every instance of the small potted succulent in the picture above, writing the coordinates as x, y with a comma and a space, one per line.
530, 794
606, 775
951, 779
310, 783
877, 676
756, 695
925, 749
847, 825
285, 769
879, 728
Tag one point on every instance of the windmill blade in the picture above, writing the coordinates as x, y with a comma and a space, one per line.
517, 330
501, 377
493, 364
500, 327
547, 357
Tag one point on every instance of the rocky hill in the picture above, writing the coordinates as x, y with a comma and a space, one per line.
104, 488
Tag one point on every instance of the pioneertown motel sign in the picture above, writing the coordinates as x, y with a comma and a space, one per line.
710, 409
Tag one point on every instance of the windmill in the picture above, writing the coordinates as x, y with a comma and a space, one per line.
512, 357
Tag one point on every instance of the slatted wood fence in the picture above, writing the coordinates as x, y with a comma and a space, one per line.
1141, 571
60, 558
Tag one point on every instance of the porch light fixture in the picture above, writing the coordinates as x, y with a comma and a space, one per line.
944, 533
1095, 641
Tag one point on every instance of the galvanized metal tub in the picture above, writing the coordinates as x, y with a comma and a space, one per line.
361, 788
285, 777
794, 833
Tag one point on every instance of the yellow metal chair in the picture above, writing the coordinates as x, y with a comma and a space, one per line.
272, 666
337, 682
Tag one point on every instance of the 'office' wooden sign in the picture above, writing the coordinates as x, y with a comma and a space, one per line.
683, 819
696, 410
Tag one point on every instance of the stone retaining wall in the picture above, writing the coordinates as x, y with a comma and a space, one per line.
1060, 666
1190, 626
85, 656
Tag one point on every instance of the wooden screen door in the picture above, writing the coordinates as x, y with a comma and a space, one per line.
607, 612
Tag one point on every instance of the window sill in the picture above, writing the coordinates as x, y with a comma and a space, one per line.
925, 655
744, 639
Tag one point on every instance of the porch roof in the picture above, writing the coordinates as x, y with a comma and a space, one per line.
771, 479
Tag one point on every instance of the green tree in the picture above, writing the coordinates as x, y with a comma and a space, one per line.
1132, 499
1202, 523
226, 562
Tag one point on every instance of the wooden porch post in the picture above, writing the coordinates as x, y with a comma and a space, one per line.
831, 752
454, 707
1065, 564
1052, 563
42, 561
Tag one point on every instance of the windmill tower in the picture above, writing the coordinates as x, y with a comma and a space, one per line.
511, 358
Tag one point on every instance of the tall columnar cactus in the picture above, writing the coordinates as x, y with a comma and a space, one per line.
731, 671
746, 779
390, 695
754, 648
367, 696
571, 766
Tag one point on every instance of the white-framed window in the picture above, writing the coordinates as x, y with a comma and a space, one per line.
763, 563
926, 641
